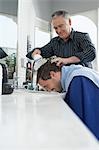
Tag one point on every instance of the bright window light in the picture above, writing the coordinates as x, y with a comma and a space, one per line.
8, 32
41, 37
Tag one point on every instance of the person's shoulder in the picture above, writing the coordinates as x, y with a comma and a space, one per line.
79, 33
55, 40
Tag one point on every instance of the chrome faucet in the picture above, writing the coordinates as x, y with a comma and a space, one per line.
34, 86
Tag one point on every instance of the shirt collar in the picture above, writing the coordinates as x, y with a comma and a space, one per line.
72, 34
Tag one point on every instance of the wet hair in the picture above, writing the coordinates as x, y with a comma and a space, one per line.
44, 71
63, 13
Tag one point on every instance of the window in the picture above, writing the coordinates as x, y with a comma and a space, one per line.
41, 37
8, 32
8, 41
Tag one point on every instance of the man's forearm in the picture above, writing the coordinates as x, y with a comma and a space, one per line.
72, 59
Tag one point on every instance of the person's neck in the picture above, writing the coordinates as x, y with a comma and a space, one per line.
66, 39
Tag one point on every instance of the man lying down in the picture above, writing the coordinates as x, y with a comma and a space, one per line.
81, 85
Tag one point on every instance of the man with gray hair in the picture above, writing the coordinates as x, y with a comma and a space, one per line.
71, 47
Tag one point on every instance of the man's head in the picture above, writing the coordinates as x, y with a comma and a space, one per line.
48, 76
62, 24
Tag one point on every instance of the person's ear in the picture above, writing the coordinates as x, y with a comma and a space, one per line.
52, 74
69, 21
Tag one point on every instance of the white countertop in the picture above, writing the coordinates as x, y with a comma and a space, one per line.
38, 121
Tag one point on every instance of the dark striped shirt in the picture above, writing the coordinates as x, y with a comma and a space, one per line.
79, 44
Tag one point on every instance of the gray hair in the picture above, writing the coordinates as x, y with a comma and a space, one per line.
63, 13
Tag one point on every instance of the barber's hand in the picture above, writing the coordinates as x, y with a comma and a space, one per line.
60, 61
36, 51
63, 61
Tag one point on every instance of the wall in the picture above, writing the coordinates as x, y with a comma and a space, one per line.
9, 7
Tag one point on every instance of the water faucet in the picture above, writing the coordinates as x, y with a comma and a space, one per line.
34, 86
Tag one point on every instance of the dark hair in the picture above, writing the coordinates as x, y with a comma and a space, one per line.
44, 71
63, 13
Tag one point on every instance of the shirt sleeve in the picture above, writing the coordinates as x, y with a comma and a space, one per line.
46, 51
87, 51
29, 54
